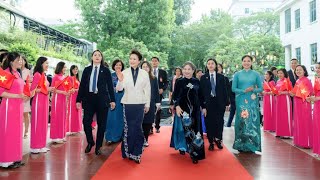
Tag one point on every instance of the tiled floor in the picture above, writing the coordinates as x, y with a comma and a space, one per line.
279, 160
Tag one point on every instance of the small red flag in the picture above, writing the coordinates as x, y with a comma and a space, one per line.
43, 85
266, 86
316, 84
302, 91
26, 88
65, 83
274, 89
75, 82
6, 79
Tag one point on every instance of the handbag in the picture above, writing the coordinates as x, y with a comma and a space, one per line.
186, 120
197, 142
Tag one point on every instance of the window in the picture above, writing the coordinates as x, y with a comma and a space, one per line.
297, 18
298, 54
313, 11
246, 10
287, 20
314, 55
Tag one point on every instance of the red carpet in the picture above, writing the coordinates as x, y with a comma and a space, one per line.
159, 162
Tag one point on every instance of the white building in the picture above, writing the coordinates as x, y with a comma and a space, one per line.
300, 31
242, 8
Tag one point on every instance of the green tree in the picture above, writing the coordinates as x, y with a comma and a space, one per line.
125, 45
148, 21
191, 42
182, 10
264, 23
72, 28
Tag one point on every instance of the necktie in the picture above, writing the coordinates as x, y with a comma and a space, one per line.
213, 85
155, 73
94, 82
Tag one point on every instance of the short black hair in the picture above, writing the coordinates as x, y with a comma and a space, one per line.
273, 68
284, 72
136, 52
3, 50
294, 59
304, 69
10, 58
59, 67
115, 62
178, 68
271, 75
248, 56
155, 58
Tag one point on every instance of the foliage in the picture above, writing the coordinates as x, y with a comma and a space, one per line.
263, 23
182, 9
148, 21
125, 45
72, 28
191, 42
26, 50
29, 44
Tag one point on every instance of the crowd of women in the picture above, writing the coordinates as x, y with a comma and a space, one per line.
291, 105
198, 100
16, 106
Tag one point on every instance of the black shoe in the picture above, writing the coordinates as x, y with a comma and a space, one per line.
16, 164
194, 161
138, 161
158, 131
211, 147
88, 148
151, 131
182, 152
98, 152
219, 145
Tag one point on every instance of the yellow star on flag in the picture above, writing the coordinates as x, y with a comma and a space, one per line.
66, 83
303, 91
3, 78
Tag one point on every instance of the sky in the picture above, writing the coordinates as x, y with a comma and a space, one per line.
54, 10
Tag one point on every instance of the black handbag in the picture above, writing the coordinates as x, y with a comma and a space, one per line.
186, 120
197, 141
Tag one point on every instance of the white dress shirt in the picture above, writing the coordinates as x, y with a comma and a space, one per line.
91, 78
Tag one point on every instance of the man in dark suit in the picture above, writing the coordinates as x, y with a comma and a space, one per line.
292, 76
214, 101
96, 95
163, 84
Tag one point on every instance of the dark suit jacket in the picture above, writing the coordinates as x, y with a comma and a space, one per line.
221, 92
104, 84
162, 80
291, 77
155, 98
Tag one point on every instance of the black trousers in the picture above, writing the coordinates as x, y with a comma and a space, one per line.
214, 120
158, 117
90, 109
231, 115
146, 130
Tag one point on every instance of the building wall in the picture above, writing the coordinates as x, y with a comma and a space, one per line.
303, 37
238, 8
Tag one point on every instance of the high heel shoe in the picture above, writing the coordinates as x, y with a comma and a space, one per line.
182, 152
